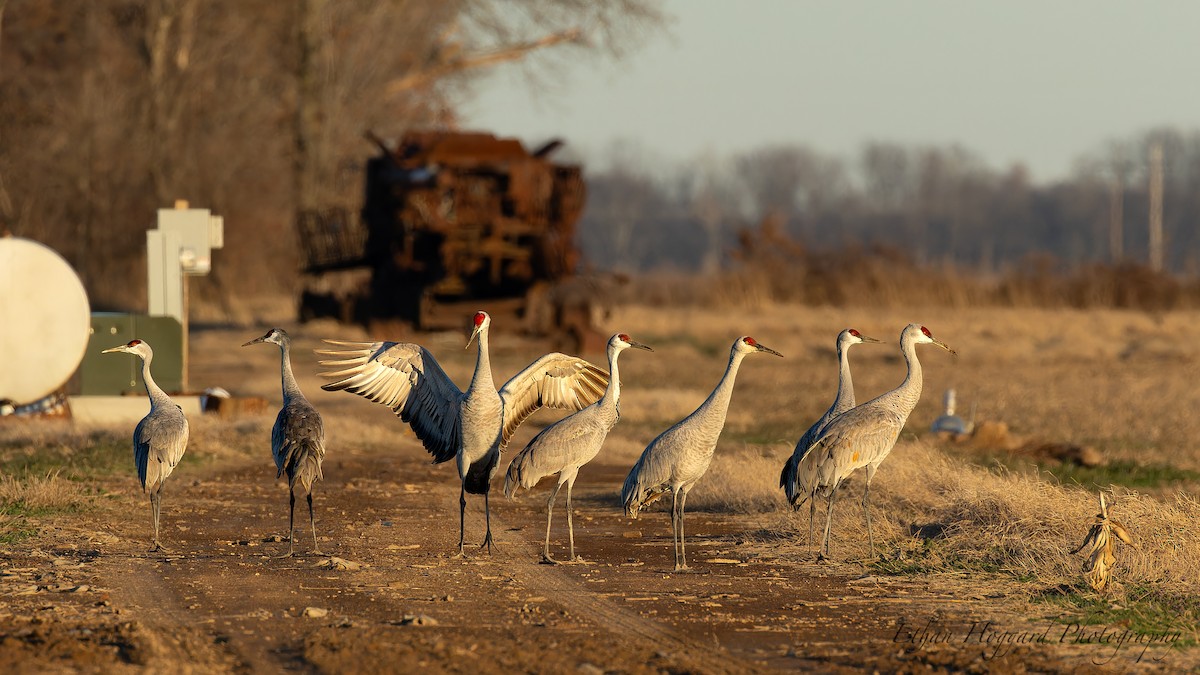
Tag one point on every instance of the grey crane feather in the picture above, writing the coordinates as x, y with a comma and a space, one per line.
568, 444
160, 438
864, 435
297, 438
798, 485
675, 460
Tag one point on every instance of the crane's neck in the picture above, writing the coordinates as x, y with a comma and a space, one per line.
845, 390
481, 381
291, 389
612, 394
717, 403
905, 396
155, 392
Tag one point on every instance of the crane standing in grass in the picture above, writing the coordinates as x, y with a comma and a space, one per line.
681, 455
864, 435
297, 439
160, 439
799, 488
568, 444
473, 426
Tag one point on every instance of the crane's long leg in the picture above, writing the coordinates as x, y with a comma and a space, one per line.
313, 524
866, 503
828, 521
462, 517
682, 542
675, 524
154, 545
812, 513
549, 514
487, 513
291, 523
570, 526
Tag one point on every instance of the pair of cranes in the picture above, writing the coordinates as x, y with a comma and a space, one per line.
475, 426
297, 438
849, 437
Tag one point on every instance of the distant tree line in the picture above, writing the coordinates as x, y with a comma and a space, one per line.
937, 205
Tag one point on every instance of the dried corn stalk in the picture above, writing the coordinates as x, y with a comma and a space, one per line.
1100, 558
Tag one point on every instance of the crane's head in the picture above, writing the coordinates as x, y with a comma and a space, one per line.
918, 334
136, 347
482, 322
276, 336
748, 345
622, 341
853, 337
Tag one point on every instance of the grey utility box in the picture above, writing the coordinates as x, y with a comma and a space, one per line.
180, 246
115, 374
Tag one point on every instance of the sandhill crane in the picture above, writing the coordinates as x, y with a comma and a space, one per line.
160, 439
297, 439
950, 423
474, 426
799, 488
680, 456
864, 435
570, 443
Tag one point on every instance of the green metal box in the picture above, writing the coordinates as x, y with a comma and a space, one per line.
114, 374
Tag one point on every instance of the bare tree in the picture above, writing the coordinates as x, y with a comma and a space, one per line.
113, 108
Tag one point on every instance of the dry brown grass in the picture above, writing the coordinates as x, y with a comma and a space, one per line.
936, 514
50, 492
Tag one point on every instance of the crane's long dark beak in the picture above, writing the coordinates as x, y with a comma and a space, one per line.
114, 350
256, 341
638, 345
473, 334
945, 346
764, 348
865, 338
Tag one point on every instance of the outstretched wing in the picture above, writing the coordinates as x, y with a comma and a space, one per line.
406, 378
555, 381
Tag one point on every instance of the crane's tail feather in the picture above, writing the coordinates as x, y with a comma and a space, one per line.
512, 478
787, 477
479, 476
636, 496
647, 498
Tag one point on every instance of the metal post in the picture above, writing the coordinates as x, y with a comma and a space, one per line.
1116, 215
183, 381
1156, 204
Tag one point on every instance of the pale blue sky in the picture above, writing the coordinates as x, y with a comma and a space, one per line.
1040, 82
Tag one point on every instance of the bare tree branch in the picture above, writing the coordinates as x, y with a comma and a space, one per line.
456, 65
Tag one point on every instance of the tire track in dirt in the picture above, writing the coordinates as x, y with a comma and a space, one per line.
171, 631
197, 604
564, 589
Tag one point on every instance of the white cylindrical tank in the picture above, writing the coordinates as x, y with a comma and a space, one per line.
44, 320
